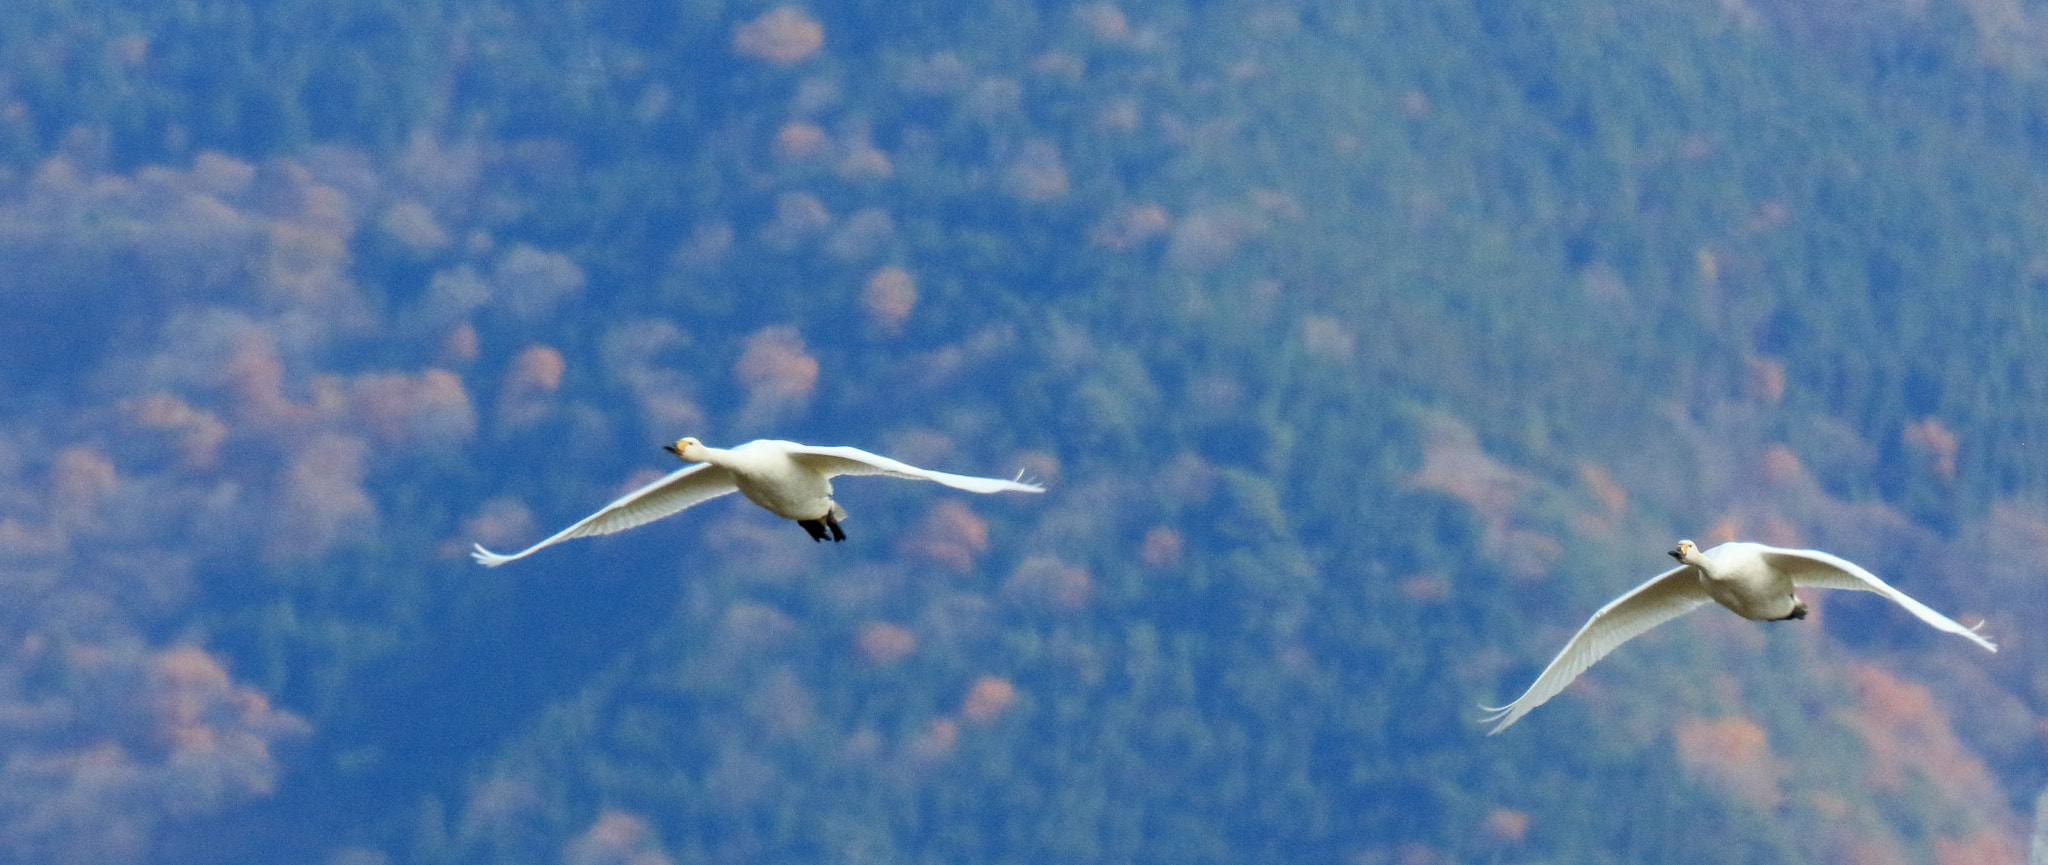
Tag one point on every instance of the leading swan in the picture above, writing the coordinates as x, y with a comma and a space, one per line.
1751, 579
791, 480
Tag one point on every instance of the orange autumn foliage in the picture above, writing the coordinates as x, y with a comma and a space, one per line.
617, 838
1160, 548
197, 434
862, 159
538, 368
305, 265
1979, 849
775, 365
990, 697
885, 643
500, 522
1603, 486
785, 35
525, 397
201, 715
951, 535
890, 295
255, 375
413, 224
1104, 21
322, 492
1050, 583
1766, 382
461, 345
938, 741
1782, 466
1426, 588
432, 406
1453, 463
1328, 338
1508, 824
801, 140
1038, 174
1938, 442
1908, 734
1131, 226
1874, 850
81, 483
1734, 754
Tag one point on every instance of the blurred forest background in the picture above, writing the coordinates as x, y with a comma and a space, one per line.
1365, 346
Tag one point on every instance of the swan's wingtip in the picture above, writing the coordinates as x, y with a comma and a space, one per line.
487, 558
1026, 486
1975, 634
1499, 717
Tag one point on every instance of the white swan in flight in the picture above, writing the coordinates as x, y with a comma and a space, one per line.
1751, 579
791, 480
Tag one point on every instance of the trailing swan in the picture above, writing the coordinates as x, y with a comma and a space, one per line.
1753, 580
791, 480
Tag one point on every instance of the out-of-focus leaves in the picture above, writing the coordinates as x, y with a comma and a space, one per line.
1364, 349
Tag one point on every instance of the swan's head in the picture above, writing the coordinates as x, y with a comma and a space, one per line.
1686, 552
687, 447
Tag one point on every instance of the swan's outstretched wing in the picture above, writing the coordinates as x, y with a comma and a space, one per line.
1665, 597
682, 488
1829, 571
854, 461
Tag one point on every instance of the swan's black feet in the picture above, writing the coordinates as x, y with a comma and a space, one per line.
823, 529
1798, 611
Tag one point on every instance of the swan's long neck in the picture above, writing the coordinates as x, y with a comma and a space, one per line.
1704, 564
699, 452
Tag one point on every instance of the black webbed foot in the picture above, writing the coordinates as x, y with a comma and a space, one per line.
1798, 611
824, 529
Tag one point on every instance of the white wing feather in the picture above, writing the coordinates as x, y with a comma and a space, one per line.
1828, 571
680, 489
1665, 597
841, 460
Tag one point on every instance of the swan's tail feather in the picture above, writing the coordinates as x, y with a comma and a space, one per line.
487, 558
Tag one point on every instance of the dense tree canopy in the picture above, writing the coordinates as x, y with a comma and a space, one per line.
1365, 348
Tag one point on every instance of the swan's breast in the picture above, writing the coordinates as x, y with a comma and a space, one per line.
1744, 582
770, 478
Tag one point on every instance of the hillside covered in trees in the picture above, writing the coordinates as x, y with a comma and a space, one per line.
1365, 348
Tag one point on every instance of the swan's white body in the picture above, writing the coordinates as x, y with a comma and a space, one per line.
1753, 580
791, 480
